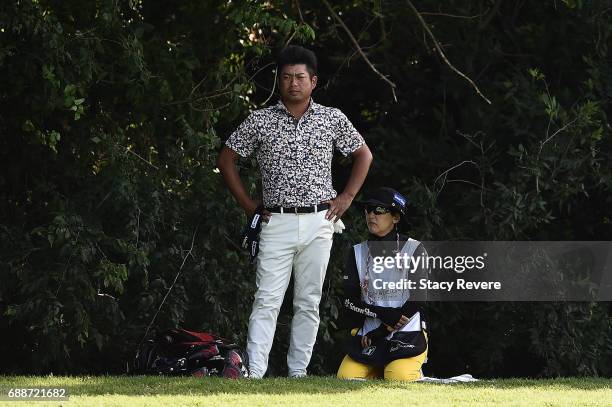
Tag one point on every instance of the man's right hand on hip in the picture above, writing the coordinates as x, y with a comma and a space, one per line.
252, 208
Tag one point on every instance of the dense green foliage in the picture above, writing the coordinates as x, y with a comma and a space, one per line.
113, 113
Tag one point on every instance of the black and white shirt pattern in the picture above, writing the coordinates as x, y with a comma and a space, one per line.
295, 156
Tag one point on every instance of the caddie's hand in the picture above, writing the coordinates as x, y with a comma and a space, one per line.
365, 341
338, 206
402, 322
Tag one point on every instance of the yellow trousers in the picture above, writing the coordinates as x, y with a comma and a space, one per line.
407, 369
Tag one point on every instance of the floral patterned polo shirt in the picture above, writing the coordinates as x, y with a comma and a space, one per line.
295, 156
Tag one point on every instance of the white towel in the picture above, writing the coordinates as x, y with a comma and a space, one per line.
339, 226
464, 378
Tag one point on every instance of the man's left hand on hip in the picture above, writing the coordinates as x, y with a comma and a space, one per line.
338, 206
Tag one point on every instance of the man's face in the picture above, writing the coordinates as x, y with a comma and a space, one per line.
296, 84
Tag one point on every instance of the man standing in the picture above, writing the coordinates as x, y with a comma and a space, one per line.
293, 142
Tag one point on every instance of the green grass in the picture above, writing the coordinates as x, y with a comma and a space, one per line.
312, 391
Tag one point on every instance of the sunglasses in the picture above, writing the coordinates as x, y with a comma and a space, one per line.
378, 210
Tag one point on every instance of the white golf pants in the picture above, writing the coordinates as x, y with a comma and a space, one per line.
289, 242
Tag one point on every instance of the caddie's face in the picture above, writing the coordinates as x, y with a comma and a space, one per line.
296, 84
380, 225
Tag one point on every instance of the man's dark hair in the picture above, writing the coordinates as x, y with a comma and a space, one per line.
294, 55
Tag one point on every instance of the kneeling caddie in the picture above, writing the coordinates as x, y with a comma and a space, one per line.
388, 338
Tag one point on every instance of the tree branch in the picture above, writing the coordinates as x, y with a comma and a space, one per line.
363, 55
444, 175
189, 253
557, 132
424, 13
347, 60
297, 4
453, 167
141, 158
439, 49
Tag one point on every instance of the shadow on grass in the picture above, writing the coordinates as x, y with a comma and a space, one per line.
157, 385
